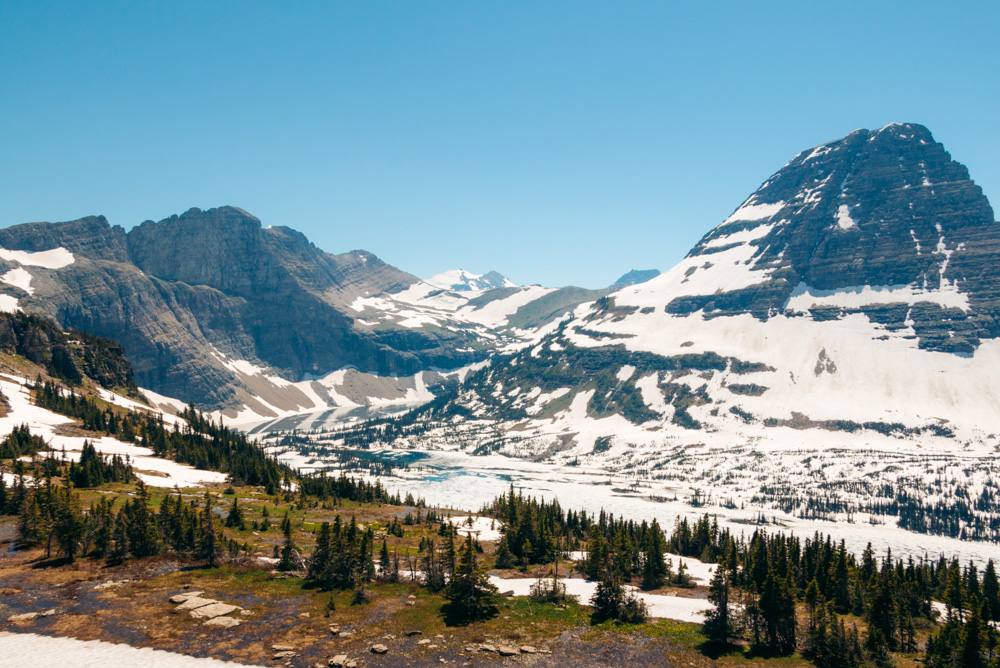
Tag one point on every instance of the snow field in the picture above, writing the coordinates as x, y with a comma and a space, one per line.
29, 650
660, 606
44, 423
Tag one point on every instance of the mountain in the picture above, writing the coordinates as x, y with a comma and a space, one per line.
635, 277
460, 280
214, 308
256, 322
847, 307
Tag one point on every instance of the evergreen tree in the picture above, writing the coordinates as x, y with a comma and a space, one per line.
287, 560
777, 612
504, 559
208, 541
235, 519
470, 594
719, 623
654, 571
991, 592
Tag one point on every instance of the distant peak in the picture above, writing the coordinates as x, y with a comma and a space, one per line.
460, 280
634, 277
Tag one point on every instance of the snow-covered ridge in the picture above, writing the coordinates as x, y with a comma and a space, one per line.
460, 280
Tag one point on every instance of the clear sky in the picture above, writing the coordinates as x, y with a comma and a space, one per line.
556, 142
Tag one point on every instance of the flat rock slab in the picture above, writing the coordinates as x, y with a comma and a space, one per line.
283, 648
224, 622
26, 617
508, 651
379, 649
338, 661
282, 655
180, 598
213, 610
193, 603
528, 649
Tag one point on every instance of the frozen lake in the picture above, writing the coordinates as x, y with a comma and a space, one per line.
466, 482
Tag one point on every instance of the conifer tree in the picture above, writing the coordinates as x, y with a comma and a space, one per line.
654, 571
470, 594
235, 519
287, 560
208, 541
719, 623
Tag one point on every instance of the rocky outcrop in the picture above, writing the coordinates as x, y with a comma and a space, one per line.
888, 209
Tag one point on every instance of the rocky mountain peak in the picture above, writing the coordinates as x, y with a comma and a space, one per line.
634, 277
888, 209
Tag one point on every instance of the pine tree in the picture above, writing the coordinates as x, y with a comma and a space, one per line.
287, 560
777, 611
319, 564
207, 544
235, 517
719, 623
470, 594
654, 571
118, 551
991, 592
504, 559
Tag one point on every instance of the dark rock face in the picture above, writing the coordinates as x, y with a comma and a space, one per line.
178, 293
634, 277
883, 208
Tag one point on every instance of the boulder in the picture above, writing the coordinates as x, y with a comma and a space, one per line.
193, 603
25, 617
211, 610
379, 649
505, 650
180, 598
339, 661
224, 622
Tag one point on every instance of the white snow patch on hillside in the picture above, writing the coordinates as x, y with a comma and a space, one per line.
844, 220
742, 236
725, 271
625, 372
660, 606
44, 423
55, 258
880, 375
8, 304
481, 528
497, 312
751, 211
804, 297
29, 650
19, 278
652, 396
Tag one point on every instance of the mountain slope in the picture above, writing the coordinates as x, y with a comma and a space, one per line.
832, 342
201, 301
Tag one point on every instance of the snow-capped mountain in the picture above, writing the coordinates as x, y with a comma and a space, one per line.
459, 280
848, 307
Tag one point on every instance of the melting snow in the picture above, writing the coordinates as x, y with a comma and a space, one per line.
56, 258
19, 278
804, 297
754, 212
28, 650
844, 220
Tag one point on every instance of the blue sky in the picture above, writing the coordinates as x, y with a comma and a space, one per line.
556, 142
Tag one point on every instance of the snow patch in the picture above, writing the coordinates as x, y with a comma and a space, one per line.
55, 258
754, 212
